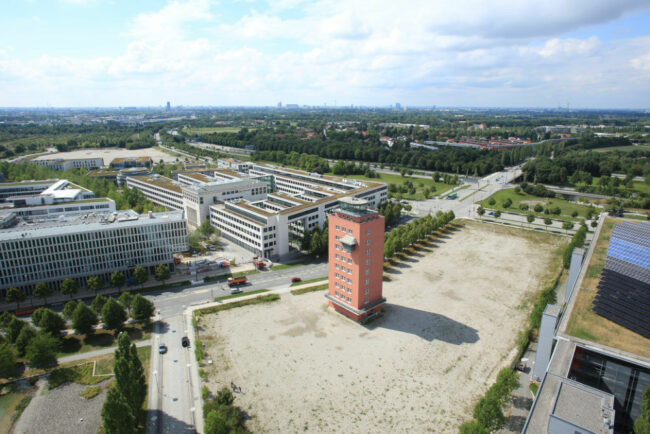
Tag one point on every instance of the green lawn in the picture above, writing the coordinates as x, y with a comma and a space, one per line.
625, 148
73, 344
310, 289
400, 180
641, 187
211, 130
241, 294
566, 206
294, 264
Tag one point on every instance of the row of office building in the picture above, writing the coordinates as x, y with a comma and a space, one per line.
52, 230
263, 208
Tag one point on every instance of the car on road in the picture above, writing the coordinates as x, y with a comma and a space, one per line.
296, 279
162, 348
185, 341
236, 290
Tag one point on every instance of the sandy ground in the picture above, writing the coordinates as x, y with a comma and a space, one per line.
108, 154
449, 325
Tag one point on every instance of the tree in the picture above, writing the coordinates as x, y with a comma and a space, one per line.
538, 207
214, 423
41, 290
50, 322
69, 287
118, 280
140, 276
530, 218
497, 214
69, 308
141, 308
94, 283
113, 315
129, 374
15, 295
492, 201
125, 299
117, 417
25, 336
84, 319
98, 303
642, 423
5, 318
548, 221
480, 210
567, 224
488, 413
162, 272
7, 360
42, 349
13, 329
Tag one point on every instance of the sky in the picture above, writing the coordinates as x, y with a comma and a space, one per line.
478, 53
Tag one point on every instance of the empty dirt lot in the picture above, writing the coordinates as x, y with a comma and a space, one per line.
449, 325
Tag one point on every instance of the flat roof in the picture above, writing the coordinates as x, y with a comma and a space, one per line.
158, 181
47, 226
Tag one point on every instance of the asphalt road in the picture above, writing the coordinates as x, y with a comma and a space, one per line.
174, 302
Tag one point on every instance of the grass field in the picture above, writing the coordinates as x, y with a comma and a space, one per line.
517, 198
10, 400
419, 183
211, 130
625, 148
241, 294
73, 344
304, 282
310, 289
586, 324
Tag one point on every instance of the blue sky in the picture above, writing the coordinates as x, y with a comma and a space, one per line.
586, 53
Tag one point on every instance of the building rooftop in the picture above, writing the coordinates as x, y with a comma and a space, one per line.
158, 181
79, 222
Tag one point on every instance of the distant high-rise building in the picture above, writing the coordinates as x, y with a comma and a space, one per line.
169, 107
280, 104
356, 259
398, 105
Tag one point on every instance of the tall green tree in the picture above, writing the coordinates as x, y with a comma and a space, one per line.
117, 417
162, 272
25, 336
42, 291
141, 308
113, 315
69, 287
84, 319
125, 299
98, 303
50, 321
42, 349
129, 374
69, 308
642, 423
140, 276
7, 359
118, 279
15, 295
94, 283
13, 329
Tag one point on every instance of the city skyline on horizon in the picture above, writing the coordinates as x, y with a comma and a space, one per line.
538, 55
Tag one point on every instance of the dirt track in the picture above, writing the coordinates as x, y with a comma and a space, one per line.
450, 324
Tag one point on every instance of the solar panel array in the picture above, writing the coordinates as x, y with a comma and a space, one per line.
624, 288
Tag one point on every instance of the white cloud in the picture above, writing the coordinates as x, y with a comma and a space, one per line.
420, 52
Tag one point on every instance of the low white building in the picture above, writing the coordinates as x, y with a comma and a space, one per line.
63, 165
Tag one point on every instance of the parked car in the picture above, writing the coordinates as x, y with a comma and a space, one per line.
296, 279
162, 349
185, 341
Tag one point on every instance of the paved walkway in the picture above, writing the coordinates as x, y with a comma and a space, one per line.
90, 354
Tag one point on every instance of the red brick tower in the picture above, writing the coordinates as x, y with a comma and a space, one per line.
356, 260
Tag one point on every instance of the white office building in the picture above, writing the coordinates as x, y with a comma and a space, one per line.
81, 245
63, 165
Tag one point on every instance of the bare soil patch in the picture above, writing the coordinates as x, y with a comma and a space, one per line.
450, 324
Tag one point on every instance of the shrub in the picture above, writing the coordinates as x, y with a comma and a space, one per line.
523, 206
538, 208
574, 214
205, 392
556, 210
492, 201
90, 392
198, 350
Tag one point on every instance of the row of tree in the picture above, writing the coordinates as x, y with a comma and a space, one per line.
316, 241
70, 287
403, 236
40, 345
391, 212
